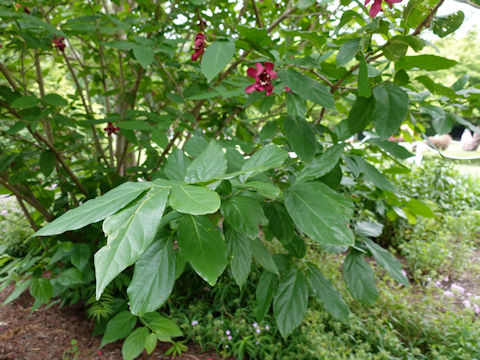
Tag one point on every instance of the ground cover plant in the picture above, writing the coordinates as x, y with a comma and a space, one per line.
152, 145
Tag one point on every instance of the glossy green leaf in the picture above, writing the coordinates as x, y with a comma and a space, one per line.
291, 301
301, 136
163, 327
395, 50
266, 288
328, 296
268, 157
447, 24
54, 100
265, 189
320, 213
201, 244
244, 214
347, 51
150, 343
96, 209
424, 62
322, 165
80, 256
129, 233
307, 88
364, 89
386, 260
279, 222
177, 165
296, 105
360, 114
134, 343
391, 107
41, 289
359, 278
210, 164
368, 228
47, 162
392, 148
419, 208
239, 253
153, 278
193, 199
25, 102
118, 327
262, 255
69, 277
144, 55
373, 175
217, 55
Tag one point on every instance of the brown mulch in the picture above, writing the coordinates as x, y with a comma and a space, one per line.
47, 334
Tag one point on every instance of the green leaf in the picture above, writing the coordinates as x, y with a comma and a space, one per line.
41, 290
54, 100
320, 213
20, 287
25, 102
255, 35
279, 222
301, 137
266, 287
296, 105
216, 57
267, 190
263, 257
373, 175
144, 55
134, 343
395, 50
359, 278
360, 114
153, 278
69, 277
330, 298
193, 199
163, 328
129, 233
386, 260
392, 148
80, 256
177, 165
96, 209
307, 88
268, 157
303, 4
240, 254
150, 343
201, 244
291, 301
210, 164
47, 162
118, 327
347, 51
391, 107
322, 165
424, 62
244, 214
419, 208
366, 228
364, 89
447, 24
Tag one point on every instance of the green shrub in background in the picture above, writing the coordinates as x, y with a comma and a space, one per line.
14, 229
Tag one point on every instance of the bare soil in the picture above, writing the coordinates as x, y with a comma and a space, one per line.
47, 334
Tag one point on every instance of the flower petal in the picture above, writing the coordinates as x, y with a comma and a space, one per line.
273, 74
269, 89
260, 68
376, 7
268, 67
251, 88
252, 72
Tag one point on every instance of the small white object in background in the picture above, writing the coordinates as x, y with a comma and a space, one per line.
466, 137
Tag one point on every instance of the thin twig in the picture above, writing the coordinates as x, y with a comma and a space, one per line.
6, 73
257, 14
26, 213
428, 19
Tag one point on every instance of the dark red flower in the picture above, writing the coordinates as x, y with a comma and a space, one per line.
263, 78
59, 42
377, 6
287, 89
199, 46
110, 129
26, 10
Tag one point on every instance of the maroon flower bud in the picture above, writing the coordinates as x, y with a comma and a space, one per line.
199, 46
26, 10
59, 42
111, 129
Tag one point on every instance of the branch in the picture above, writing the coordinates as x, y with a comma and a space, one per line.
257, 14
428, 19
27, 214
5, 72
